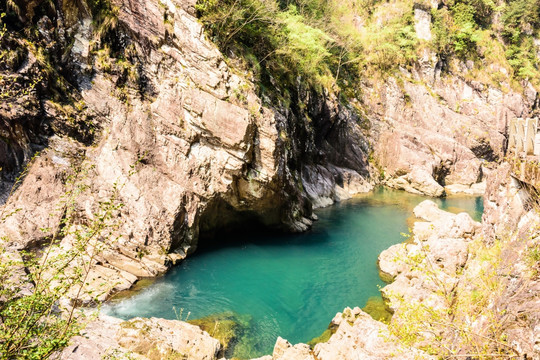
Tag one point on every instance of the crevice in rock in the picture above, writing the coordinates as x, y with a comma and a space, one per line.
484, 151
441, 171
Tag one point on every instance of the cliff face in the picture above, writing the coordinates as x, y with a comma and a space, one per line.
135, 104
433, 132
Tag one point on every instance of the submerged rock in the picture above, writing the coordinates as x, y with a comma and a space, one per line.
227, 327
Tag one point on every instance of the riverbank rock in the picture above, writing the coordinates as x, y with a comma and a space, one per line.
358, 336
440, 243
138, 338
477, 189
418, 181
458, 274
325, 185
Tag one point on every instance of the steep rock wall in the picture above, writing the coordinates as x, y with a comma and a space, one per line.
434, 131
162, 119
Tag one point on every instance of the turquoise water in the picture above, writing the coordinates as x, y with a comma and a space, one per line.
287, 285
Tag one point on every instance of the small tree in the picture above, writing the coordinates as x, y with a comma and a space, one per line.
40, 295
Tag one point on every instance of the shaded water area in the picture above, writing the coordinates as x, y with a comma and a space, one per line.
286, 285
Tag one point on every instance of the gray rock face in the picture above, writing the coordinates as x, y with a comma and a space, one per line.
505, 203
422, 24
511, 216
418, 181
326, 184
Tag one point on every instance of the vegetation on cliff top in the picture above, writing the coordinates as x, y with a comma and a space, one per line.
334, 43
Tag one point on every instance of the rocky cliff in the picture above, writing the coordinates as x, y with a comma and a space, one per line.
148, 106
130, 101
150, 109
435, 132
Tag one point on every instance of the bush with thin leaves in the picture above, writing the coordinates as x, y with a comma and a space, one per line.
40, 293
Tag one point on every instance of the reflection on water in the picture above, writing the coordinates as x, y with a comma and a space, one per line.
287, 285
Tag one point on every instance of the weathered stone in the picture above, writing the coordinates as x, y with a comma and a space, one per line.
283, 350
141, 339
358, 336
326, 184
429, 211
417, 181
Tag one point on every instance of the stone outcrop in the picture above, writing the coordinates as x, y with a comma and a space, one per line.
511, 216
357, 336
488, 271
143, 339
506, 202
439, 240
422, 24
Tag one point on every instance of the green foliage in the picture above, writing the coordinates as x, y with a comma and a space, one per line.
303, 47
333, 43
521, 19
282, 41
31, 326
455, 30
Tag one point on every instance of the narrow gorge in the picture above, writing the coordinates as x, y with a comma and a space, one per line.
140, 136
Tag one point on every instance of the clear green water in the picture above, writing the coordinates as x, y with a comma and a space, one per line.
288, 285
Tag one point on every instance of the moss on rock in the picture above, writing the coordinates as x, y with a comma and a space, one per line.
377, 309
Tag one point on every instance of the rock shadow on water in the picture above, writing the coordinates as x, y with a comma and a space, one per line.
264, 238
